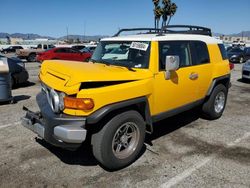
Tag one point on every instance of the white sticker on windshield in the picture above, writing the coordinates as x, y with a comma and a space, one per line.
139, 46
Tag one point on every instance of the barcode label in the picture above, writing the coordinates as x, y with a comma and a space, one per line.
139, 46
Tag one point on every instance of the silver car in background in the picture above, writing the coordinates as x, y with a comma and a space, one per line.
246, 71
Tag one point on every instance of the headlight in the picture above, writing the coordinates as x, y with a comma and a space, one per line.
61, 101
54, 100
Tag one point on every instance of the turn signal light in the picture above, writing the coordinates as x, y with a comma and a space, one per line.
78, 103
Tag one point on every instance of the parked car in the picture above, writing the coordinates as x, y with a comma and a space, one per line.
19, 74
64, 54
30, 54
246, 53
246, 71
11, 49
236, 55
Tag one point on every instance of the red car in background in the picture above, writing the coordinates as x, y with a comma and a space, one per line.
64, 54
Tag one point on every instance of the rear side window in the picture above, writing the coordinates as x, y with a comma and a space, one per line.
199, 53
223, 51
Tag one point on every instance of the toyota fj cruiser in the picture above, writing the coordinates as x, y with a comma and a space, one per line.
131, 82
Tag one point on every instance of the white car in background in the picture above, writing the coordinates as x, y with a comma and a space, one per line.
246, 71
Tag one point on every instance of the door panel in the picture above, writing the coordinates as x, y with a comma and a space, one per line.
189, 83
180, 90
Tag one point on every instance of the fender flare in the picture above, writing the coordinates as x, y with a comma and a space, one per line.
141, 102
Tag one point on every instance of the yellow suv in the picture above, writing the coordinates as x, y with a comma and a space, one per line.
131, 82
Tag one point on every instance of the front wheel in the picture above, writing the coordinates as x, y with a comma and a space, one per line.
213, 108
120, 141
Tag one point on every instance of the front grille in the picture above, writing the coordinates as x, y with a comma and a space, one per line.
247, 73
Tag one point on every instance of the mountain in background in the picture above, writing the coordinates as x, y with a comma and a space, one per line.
83, 38
28, 36
31, 36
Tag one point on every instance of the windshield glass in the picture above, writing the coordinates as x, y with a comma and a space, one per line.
123, 53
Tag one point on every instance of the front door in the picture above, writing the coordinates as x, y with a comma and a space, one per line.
183, 88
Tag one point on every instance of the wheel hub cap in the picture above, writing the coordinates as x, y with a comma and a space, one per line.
125, 140
219, 102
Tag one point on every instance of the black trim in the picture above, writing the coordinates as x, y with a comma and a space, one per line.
176, 111
188, 29
141, 102
218, 79
49, 120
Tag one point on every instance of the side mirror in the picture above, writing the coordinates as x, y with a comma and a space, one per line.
172, 64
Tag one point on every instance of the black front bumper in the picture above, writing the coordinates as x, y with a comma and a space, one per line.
44, 122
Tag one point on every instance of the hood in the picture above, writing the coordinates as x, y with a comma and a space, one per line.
58, 74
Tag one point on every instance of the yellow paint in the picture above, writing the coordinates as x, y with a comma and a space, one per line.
162, 94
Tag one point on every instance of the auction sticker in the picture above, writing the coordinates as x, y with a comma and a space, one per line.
139, 46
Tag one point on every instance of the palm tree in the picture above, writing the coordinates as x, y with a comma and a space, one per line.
166, 11
172, 11
156, 4
158, 13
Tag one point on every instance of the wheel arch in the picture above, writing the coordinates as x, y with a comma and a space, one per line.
225, 80
107, 112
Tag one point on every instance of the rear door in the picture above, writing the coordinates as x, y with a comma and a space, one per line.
201, 67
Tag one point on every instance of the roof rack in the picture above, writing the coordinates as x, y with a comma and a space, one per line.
170, 29
149, 31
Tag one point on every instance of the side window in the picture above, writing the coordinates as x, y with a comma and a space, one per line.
45, 47
199, 53
50, 46
223, 51
60, 50
39, 46
174, 48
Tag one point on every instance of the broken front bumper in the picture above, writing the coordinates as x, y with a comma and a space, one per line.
57, 129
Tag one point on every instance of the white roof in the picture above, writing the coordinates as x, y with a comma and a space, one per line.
165, 37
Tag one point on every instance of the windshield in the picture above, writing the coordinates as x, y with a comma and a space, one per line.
123, 53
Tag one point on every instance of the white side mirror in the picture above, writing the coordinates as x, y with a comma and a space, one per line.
172, 64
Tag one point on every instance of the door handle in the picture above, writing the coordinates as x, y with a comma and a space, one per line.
193, 76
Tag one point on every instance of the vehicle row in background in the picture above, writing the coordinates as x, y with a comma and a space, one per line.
11, 49
238, 55
30, 53
65, 54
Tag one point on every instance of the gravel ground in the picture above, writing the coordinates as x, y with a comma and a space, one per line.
184, 151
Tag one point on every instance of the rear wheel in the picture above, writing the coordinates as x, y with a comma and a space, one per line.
32, 57
213, 108
120, 141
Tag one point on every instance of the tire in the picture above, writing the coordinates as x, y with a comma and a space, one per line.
214, 107
120, 141
32, 57
86, 60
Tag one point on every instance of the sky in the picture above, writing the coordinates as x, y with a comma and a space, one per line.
99, 17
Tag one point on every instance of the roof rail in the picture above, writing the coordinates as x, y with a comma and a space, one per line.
185, 29
149, 30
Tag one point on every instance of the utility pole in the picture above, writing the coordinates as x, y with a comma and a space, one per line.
84, 32
67, 31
